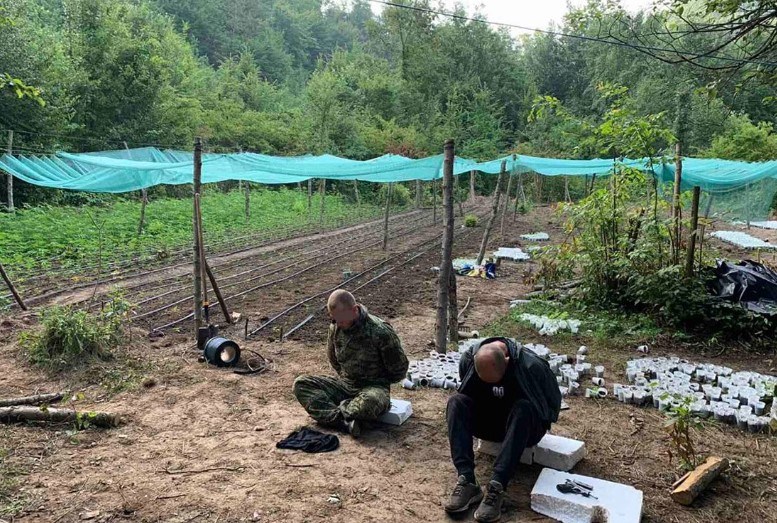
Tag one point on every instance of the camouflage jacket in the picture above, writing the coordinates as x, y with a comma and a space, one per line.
368, 353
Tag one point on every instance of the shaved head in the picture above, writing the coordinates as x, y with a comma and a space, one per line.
342, 308
491, 361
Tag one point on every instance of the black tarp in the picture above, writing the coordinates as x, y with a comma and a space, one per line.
749, 283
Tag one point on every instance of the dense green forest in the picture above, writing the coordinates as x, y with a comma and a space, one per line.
300, 76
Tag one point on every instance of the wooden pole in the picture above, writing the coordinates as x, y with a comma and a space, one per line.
457, 196
472, 185
506, 204
322, 190
453, 308
386, 217
195, 228
11, 287
494, 211
418, 194
692, 233
567, 197
217, 292
443, 283
9, 176
247, 188
518, 191
356, 192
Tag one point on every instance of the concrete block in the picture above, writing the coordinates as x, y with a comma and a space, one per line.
552, 451
558, 452
399, 412
616, 502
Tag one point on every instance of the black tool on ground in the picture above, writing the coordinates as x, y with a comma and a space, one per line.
217, 350
575, 487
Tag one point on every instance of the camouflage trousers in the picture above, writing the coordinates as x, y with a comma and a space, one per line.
329, 400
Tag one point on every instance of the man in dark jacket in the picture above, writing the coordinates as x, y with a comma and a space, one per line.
368, 357
507, 394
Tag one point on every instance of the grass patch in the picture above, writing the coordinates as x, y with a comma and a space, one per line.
70, 338
11, 502
47, 236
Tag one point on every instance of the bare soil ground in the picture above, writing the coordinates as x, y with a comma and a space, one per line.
199, 444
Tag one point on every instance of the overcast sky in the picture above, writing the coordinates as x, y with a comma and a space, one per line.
537, 14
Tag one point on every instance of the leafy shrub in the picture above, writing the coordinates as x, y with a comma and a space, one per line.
68, 337
470, 220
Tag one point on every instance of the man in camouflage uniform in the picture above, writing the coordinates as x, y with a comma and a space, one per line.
367, 355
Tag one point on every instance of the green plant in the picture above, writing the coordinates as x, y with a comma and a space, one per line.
69, 337
679, 426
470, 220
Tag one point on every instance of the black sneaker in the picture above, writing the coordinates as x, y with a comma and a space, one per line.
490, 510
464, 495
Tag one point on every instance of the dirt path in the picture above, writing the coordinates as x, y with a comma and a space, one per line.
200, 445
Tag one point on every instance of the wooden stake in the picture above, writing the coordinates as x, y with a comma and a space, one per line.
217, 292
418, 194
195, 228
443, 283
386, 217
693, 483
356, 191
11, 287
692, 233
472, 185
310, 195
494, 210
9, 176
248, 201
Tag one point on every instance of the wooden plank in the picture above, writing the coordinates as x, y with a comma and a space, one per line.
698, 479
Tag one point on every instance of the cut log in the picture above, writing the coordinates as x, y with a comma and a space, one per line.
24, 413
697, 480
37, 399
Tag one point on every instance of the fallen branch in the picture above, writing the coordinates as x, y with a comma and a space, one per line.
37, 399
464, 309
200, 471
18, 413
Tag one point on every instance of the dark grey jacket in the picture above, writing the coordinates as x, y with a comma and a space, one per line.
535, 379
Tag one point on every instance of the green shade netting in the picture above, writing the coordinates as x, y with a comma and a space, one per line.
129, 170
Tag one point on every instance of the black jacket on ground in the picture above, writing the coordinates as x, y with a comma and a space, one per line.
536, 382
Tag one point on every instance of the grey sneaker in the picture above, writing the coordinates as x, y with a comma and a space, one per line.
464, 495
490, 510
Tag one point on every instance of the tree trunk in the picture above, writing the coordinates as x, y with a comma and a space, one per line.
494, 211
195, 228
472, 185
443, 282
386, 217
28, 413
